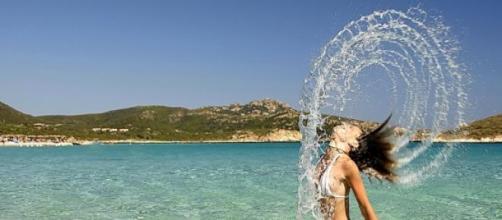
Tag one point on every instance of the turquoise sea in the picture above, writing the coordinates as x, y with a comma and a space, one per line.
222, 181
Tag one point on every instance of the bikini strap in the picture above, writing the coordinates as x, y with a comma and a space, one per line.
336, 158
328, 169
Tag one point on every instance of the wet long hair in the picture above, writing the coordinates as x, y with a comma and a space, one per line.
374, 155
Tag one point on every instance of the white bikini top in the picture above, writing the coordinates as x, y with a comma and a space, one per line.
324, 186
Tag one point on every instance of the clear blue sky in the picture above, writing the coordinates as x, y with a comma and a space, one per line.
70, 57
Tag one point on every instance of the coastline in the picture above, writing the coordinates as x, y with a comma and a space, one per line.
470, 140
273, 141
112, 142
193, 142
134, 141
36, 144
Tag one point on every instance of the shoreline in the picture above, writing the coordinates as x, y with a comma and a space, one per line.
36, 144
112, 142
466, 141
193, 142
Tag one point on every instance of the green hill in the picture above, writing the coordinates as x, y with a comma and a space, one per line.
13, 121
262, 118
160, 122
489, 127
11, 115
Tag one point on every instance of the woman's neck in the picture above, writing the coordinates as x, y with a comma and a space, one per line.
340, 148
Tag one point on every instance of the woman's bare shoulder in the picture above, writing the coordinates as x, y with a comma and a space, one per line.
348, 165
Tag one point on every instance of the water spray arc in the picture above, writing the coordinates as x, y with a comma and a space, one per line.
419, 57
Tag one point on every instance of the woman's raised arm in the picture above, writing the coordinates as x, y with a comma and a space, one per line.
356, 183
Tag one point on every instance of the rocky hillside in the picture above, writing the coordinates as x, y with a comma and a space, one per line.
12, 116
261, 120
489, 129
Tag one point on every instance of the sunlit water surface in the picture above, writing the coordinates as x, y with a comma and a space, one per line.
222, 181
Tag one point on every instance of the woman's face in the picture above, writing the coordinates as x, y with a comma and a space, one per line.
346, 133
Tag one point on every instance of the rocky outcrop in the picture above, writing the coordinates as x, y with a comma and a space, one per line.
36, 140
493, 139
277, 135
259, 120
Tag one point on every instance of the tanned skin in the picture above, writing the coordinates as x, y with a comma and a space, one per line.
345, 176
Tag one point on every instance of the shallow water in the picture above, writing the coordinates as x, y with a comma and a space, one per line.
221, 181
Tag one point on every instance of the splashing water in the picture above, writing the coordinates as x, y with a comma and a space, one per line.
419, 58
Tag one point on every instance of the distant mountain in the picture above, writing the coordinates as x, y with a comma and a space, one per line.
262, 120
487, 128
11, 115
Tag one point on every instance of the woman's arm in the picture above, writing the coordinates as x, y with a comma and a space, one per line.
354, 179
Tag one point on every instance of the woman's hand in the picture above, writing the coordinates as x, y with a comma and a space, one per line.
356, 183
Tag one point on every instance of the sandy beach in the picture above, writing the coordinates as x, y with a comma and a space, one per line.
133, 141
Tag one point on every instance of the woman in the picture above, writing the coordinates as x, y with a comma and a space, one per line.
338, 171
